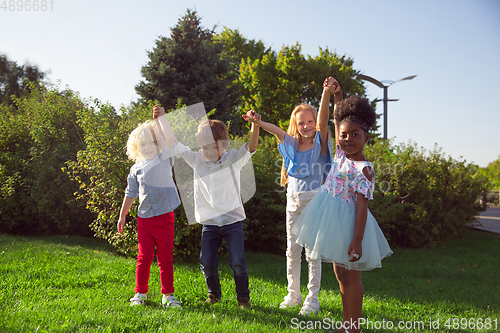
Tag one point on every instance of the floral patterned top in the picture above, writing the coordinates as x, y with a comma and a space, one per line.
346, 177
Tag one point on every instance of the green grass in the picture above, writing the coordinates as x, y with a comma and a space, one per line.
74, 284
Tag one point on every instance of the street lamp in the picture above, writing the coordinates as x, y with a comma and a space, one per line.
383, 86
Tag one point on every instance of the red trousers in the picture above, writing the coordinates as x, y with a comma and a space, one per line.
155, 232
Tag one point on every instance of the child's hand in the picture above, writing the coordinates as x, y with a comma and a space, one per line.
355, 251
120, 224
332, 86
252, 116
158, 111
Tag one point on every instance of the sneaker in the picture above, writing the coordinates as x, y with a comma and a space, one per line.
309, 308
138, 299
244, 303
290, 301
170, 302
212, 299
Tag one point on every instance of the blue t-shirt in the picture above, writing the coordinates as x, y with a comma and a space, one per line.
306, 169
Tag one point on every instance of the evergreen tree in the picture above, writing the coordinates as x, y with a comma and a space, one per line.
14, 79
189, 66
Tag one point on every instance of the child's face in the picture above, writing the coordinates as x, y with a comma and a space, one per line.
147, 146
306, 124
212, 152
352, 138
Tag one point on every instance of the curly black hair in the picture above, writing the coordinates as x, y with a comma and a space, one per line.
357, 110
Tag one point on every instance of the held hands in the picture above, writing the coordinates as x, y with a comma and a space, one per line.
355, 251
252, 116
332, 86
158, 111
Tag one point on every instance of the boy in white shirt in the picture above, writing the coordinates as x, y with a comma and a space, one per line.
218, 205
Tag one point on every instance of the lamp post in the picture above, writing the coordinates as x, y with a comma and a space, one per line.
383, 86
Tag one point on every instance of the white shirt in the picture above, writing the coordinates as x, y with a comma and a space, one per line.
217, 199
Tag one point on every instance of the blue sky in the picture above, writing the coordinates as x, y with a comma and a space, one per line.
453, 46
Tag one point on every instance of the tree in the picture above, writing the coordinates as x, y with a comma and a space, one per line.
236, 48
38, 134
14, 79
275, 83
188, 66
492, 171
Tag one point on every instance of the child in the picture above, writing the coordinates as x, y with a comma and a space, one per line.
306, 152
150, 179
218, 205
337, 225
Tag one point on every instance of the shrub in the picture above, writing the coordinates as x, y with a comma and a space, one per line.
492, 172
420, 197
38, 134
101, 170
423, 197
265, 226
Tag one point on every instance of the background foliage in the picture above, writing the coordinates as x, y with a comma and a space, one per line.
492, 172
38, 134
18, 80
63, 164
423, 197
188, 66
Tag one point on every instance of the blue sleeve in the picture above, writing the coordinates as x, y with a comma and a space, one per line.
287, 149
132, 190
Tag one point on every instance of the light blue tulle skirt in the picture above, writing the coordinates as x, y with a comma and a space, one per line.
326, 228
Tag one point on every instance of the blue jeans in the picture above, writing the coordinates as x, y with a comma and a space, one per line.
211, 240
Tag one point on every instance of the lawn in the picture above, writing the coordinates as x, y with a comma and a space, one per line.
75, 284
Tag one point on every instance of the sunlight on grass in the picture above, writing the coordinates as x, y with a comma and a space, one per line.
74, 284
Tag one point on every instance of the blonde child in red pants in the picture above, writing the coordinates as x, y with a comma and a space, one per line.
150, 179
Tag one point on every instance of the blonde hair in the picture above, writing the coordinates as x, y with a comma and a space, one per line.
210, 131
294, 132
143, 130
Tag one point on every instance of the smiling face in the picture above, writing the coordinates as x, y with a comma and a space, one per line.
147, 146
212, 152
352, 139
306, 124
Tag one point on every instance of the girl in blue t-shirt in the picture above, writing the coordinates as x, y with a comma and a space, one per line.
306, 151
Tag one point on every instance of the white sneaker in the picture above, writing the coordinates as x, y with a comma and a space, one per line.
290, 301
138, 299
170, 302
310, 307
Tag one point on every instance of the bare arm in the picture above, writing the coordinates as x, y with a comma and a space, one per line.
127, 203
361, 215
254, 138
330, 86
273, 129
164, 126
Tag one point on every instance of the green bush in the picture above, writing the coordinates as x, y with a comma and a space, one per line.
101, 170
265, 225
423, 197
38, 134
492, 172
420, 197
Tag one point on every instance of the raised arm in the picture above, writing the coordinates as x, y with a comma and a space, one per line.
164, 126
254, 138
255, 118
330, 86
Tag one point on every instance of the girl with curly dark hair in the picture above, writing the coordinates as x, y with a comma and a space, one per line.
337, 226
